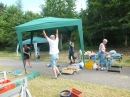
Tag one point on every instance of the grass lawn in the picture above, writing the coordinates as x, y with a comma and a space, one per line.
43, 86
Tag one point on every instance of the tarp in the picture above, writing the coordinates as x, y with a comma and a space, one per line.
49, 24
34, 42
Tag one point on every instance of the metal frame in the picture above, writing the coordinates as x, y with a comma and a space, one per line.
4, 76
20, 91
110, 68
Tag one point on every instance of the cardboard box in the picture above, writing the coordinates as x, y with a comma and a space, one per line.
67, 71
70, 70
73, 67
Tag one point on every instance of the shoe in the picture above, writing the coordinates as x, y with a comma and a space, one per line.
70, 62
53, 77
102, 69
96, 68
58, 65
48, 65
73, 62
58, 74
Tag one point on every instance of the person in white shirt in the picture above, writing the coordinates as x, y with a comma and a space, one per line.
102, 52
53, 45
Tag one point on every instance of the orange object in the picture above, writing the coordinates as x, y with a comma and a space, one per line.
75, 93
6, 88
89, 65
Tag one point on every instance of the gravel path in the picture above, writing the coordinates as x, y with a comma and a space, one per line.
112, 79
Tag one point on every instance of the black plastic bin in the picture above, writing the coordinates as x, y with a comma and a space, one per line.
65, 93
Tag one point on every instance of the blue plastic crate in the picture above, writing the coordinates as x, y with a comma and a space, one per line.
94, 57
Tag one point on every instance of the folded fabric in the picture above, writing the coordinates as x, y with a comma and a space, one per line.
17, 73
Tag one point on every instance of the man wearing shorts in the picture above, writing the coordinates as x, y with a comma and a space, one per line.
53, 44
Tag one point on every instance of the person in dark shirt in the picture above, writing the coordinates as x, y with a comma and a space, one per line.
38, 54
26, 50
71, 52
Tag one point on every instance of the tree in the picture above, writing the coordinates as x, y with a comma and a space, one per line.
19, 4
2, 8
58, 8
28, 16
106, 19
9, 19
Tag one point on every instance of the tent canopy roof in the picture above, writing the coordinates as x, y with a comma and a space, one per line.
65, 25
35, 40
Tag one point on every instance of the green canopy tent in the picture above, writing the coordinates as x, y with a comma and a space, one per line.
35, 41
64, 25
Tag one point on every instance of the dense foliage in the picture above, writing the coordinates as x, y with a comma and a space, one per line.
107, 19
101, 19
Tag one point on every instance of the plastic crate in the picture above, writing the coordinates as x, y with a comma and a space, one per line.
6, 88
89, 65
75, 93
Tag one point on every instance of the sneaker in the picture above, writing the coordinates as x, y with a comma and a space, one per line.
58, 65
71, 62
48, 65
58, 74
102, 69
53, 77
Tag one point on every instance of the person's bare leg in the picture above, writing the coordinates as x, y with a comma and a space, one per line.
25, 63
29, 62
99, 65
71, 61
57, 70
54, 72
102, 67
74, 60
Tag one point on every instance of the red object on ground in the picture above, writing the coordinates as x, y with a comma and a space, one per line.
6, 88
75, 93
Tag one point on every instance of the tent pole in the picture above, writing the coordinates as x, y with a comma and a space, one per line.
31, 42
21, 48
81, 40
60, 42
